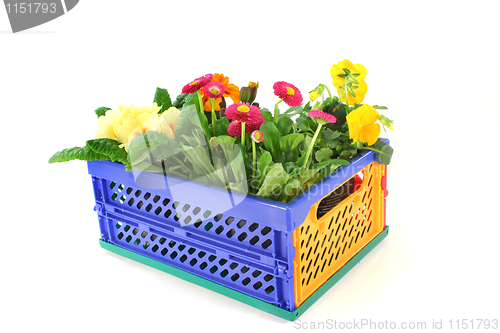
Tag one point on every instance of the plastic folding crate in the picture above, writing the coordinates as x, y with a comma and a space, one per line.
277, 257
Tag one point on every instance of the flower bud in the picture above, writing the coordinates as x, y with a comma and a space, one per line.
253, 90
245, 94
386, 122
313, 95
213, 143
257, 136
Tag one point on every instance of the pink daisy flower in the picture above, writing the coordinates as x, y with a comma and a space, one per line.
214, 90
257, 136
242, 112
322, 117
234, 128
288, 93
196, 84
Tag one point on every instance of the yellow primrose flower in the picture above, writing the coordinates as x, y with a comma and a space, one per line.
338, 81
170, 120
107, 123
131, 127
124, 125
112, 118
362, 125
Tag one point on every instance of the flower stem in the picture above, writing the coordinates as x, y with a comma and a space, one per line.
254, 158
343, 90
329, 94
373, 149
200, 100
276, 112
309, 151
212, 106
243, 136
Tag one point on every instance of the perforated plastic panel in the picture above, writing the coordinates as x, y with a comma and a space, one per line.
323, 246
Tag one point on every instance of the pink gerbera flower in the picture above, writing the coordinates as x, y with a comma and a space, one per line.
322, 117
196, 84
288, 93
214, 90
242, 112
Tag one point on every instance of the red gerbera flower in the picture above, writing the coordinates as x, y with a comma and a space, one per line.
196, 84
214, 90
288, 93
242, 112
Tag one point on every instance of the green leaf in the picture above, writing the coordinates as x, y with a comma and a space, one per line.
291, 186
101, 111
264, 161
203, 121
179, 101
329, 135
185, 126
162, 98
347, 71
351, 91
273, 184
224, 138
192, 99
153, 147
295, 110
77, 153
323, 154
387, 151
377, 107
351, 79
268, 116
319, 166
284, 124
110, 148
290, 142
272, 137
221, 126
305, 123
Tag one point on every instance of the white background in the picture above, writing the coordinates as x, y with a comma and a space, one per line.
435, 64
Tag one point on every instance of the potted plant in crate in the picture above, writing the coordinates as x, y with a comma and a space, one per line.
229, 191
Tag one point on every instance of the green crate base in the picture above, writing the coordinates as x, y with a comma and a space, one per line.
267, 307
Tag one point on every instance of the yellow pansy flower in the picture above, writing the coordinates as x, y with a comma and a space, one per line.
338, 82
362, 125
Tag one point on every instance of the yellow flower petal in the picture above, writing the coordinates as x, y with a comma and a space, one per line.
168, 132
361, 70
368, 114
122, 133
369, 133
171, 116
354, 128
